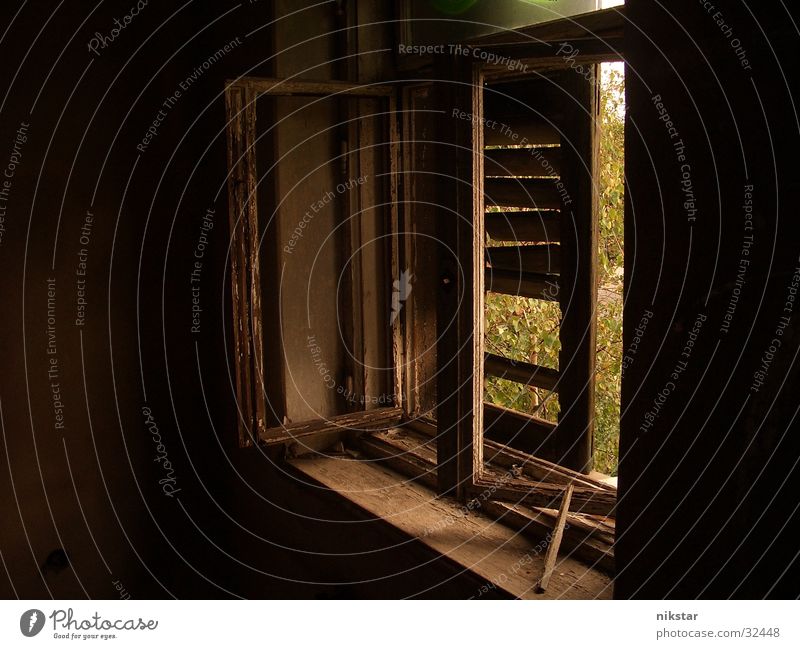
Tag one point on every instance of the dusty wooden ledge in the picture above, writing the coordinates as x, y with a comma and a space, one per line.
506, 560
413, 454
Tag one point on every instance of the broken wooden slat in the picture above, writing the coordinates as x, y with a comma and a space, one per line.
587, 523
555, 540
413, 454
519, 259
521, 372
537, 468
534, 285
580, 542
523, 226
405, 441
548, 495
534, 161
369, 420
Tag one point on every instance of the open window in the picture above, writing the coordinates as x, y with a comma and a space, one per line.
524, 155
482, 192
311, 192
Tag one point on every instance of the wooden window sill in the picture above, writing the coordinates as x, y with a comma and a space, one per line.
507, 560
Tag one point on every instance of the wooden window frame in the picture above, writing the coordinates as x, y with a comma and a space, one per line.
460, 314
248, 347
460, 415
460, 422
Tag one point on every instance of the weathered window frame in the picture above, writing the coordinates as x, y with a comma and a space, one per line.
240, 102
460, 417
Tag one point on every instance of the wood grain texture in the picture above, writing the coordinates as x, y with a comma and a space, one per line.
245, 268
586, 500
470, 539
413, 454
537, 468
418, 248
586, 543
555, 541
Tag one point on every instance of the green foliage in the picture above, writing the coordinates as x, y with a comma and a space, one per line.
524, 330
527, 330
610, 265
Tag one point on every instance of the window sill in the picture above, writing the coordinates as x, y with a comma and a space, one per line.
506, 560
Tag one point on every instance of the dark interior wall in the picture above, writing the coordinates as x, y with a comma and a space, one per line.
239, 526
709, 444
135, 373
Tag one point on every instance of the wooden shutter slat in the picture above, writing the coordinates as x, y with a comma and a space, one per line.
521, 372
534, 259
534, 285
531, 161
514, 128
524, 226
